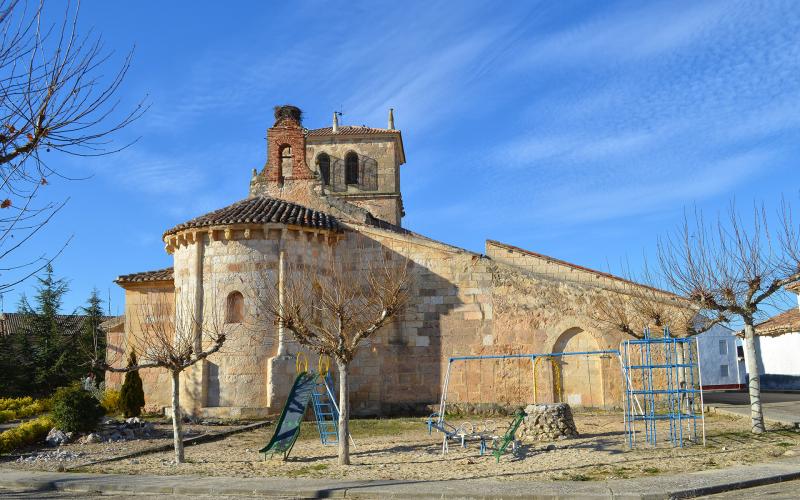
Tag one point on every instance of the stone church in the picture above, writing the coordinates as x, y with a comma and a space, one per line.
331, 192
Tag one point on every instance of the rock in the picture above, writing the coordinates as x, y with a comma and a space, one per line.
55, 437
129, 434
549, 447
133, 421
548, 422
90, 439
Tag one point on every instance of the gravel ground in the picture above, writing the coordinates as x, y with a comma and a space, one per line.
76, 454
402, 449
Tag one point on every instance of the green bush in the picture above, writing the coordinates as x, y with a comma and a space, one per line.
25, 434
111, 402
76, 410
15, 404
12, 409
131, 393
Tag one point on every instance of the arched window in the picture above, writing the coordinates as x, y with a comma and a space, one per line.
234, 308
351, 168
286, 160
324, 162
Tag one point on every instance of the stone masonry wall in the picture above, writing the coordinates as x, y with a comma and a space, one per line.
140, 302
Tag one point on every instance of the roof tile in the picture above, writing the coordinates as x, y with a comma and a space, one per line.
157, 275
351, 130
262, 210
785, 322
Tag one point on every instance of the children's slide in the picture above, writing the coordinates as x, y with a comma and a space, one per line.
288, 426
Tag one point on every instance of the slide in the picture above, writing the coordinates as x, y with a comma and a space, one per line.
288, 426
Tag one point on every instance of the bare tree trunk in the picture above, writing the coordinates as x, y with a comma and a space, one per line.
754, 383
177, 424
344, 414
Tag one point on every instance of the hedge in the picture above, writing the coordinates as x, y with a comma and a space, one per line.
25, 434
12, 409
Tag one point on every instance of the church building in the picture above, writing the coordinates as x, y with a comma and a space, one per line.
335, 192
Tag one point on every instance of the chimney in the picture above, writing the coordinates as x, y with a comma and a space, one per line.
335, 122
391, 118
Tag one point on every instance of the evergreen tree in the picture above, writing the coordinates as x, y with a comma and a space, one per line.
52, 350
131, 395
93, 341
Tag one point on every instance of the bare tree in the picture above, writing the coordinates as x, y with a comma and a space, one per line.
731, 269
637, 303
334, 310
54, 98
173, 335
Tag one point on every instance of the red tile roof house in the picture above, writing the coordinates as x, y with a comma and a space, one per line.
779, 342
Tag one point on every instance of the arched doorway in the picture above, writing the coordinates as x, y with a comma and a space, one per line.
581, 375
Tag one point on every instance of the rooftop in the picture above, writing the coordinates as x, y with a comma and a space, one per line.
262, 210
146, 276
14, 322
351, 130
785, 322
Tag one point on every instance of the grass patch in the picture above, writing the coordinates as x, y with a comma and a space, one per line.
785, 444
578, 477
368, 428
304, 471
651, 470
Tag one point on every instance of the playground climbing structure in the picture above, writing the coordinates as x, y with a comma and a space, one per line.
663, 386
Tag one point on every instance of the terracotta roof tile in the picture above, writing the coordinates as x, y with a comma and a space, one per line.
262, 210
157, 275
351, 130
785, 322
12, 323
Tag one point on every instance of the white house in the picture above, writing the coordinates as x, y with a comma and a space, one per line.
779, 341
721, 360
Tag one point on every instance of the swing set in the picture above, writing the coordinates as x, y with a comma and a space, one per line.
485, 433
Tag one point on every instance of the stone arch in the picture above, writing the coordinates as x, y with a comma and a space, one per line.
234, 307
286, 158
581, 376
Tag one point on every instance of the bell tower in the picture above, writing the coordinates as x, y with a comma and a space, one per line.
286, 147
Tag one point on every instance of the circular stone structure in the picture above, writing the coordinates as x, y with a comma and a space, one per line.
548, 422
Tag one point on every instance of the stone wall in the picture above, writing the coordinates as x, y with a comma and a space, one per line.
141, 302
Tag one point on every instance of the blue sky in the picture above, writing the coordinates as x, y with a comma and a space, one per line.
576, 129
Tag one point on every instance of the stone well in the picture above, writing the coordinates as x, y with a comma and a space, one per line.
548, 422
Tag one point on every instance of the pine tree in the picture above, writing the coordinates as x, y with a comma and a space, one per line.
92, 341
51, 347
131, 395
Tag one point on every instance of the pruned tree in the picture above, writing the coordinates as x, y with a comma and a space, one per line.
173, 335
333, 310
731, 270
54, 98
637, 303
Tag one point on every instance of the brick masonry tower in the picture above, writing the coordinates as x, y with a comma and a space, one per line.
286, 147
356, 164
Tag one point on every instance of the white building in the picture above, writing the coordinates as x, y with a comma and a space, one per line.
779, 341
721, 360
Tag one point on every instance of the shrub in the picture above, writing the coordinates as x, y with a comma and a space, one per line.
12, 409
131, 394
25, 434
14, 404
111, 402
76, 410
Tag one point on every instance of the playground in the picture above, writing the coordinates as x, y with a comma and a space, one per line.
502, 416
403, 449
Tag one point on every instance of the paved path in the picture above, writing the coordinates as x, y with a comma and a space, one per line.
779, 491
657, 487
779, 407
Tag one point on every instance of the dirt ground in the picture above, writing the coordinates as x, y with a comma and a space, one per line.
403, 449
